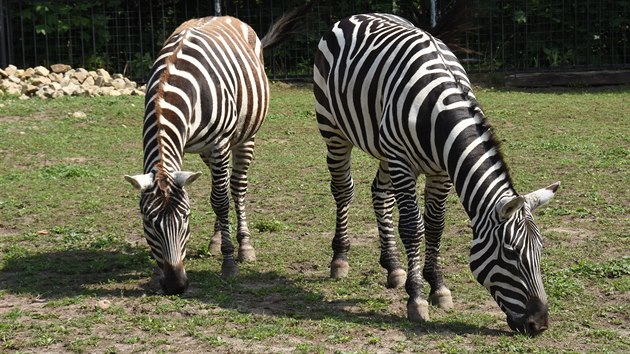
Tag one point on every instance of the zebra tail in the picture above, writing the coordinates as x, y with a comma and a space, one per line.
290, 23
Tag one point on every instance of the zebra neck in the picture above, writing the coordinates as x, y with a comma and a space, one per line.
476, 167
166, 124
163, 148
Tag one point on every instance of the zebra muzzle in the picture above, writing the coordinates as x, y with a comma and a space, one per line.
534, 322
174, 280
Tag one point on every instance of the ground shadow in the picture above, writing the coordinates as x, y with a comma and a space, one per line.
55, 275
273, 294
66, 273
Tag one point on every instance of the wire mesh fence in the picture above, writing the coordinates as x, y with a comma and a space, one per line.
124, 36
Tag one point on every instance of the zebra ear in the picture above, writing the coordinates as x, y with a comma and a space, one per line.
541, 196
506, 207
140, 182
185, 178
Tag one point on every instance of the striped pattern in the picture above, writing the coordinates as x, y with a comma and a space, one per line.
208, 94
400, 95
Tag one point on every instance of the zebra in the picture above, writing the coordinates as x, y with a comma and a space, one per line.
399, 94
207, 94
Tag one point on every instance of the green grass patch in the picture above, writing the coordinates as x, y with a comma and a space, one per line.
71, 237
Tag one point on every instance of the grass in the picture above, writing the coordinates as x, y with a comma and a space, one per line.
71, 237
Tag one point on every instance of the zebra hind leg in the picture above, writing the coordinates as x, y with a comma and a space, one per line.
218, 164
215, 242
342, 188
242, 157
435, 194
383, 202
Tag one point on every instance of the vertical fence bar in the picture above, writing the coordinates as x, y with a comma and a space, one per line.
142, 73
129, 40
152, 31
81, 38
3, 46
70, 44
93, 31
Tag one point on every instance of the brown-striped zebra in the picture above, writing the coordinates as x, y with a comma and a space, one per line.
399, 94
207, 94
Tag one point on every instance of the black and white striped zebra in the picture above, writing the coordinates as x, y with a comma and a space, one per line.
399, 94
207, 94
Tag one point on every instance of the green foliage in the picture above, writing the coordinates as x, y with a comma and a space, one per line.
66, 171
548, 34
269, 225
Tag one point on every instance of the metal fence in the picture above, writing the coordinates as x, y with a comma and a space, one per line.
123, 36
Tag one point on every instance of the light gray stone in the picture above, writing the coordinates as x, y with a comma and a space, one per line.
28, 73
11, 88
118, 84
129, 83
80, 75
89, 81
28, 89
60, 68
55, 77
41, 80
41, 71
99, 81
104, 91
62, 81
55, 86
104, 74
11, 70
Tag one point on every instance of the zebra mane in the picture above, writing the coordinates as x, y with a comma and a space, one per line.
493, 141
163, 178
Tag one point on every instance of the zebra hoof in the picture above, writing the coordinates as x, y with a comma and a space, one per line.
418, 310
339, 269
215, 244
442, 299
229, 269
396, 278
246, 254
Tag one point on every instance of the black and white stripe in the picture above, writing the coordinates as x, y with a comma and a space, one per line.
399, 94
207, 94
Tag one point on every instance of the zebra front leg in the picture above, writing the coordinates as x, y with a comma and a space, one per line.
342, 188
218, 164
411, 230
435, 194
242, 157
383, 203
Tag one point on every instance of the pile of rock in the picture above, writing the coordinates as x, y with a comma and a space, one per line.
63, 80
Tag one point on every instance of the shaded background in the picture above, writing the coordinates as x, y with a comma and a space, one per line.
488, 36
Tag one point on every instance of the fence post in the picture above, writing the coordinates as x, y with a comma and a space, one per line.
217, 7
3, 36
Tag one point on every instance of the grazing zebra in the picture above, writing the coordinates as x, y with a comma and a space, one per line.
400, 95
207, 94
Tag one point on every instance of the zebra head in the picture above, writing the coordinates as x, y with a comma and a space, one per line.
165, 209
505, 258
